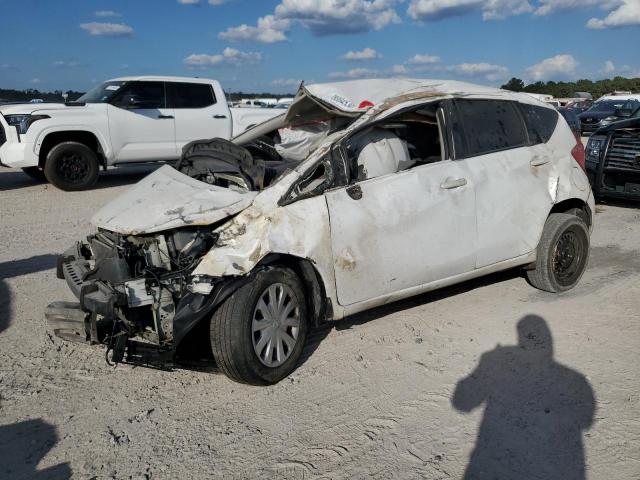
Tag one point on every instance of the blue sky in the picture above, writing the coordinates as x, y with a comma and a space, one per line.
270, 45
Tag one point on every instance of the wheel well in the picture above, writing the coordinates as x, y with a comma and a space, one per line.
53, 139
574, 206
317, 301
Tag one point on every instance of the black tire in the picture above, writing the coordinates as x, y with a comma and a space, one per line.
36, 173
72, 166
563, 253
232, 336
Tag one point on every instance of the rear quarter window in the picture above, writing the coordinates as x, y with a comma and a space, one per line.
189, 95
541, 122
489, 126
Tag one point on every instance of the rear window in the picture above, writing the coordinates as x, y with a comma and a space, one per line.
541, 122
489, 126
189, 95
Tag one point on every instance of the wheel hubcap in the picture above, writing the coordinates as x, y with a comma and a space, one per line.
275, 325
567, 257
73, 167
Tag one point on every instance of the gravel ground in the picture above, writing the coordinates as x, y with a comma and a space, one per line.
389, 393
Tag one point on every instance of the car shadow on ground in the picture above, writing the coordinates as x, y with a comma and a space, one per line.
114, 177
603, 203
535, 410
16, 268
23, 445
197, 355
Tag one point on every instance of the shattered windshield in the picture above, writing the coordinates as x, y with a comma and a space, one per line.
102, 93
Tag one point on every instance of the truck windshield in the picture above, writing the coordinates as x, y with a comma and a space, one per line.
102, 93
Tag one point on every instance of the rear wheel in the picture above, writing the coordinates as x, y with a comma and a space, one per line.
72, 166
36, 173
257, 334
563, 252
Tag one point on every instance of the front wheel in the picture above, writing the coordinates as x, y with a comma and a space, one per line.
72, 166
563, 252
258, 333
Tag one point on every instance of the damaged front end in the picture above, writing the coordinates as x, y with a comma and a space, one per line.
136, 293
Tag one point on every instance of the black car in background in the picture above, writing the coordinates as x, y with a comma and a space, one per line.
580, 106
613, 159
572, 119
605, 112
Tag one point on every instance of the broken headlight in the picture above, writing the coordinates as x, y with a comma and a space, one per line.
187, 245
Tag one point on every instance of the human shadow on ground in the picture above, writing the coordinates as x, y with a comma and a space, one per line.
16, 268
23, 445
535, 410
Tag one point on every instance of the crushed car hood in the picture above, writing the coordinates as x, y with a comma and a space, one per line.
168, 199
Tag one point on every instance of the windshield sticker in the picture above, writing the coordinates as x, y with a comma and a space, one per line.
112, 87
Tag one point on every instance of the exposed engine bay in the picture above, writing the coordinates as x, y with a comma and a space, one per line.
129, 286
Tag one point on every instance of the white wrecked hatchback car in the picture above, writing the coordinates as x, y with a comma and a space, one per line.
363, 193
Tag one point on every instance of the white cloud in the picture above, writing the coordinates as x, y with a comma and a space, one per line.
609, 67
107, 29
35, 81
268, 30
487, 70
355, 73
322, 17
551, 6
366, 54
65, 64
325, 17
399, 70
560, 66
423, 59
424, 10
627, 13
286, 82
196, 2
107, 13
229, 56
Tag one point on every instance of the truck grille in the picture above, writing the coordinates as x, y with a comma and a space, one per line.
624, 153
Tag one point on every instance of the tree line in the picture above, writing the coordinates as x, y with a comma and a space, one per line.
568, 89
9, 95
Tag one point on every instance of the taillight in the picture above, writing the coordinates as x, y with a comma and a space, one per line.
577, 152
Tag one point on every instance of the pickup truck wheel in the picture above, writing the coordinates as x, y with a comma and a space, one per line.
36, 173
258, 333
72, 166
563, 252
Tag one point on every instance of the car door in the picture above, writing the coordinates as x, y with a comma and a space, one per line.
198, 112
513, 177
402, 230
140, 126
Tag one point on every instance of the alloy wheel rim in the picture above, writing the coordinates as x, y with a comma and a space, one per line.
275, 325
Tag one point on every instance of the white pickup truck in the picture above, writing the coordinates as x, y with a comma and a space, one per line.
122, 121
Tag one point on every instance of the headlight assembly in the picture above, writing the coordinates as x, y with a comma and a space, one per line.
23, 122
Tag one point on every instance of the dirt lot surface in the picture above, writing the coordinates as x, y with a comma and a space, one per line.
387, 394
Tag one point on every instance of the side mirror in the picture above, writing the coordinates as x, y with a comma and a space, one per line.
623, 112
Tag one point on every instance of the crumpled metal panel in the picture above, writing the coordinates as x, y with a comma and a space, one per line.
168, 199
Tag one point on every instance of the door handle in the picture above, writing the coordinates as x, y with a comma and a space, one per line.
355, 192
538, 161
219, 116
165, 116
450, 183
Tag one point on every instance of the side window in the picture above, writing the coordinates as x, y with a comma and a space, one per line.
141, 95
489, 126
189, 95
541, 122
